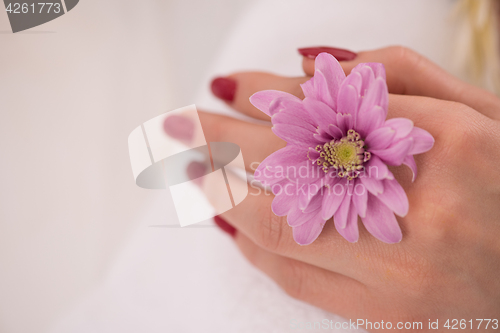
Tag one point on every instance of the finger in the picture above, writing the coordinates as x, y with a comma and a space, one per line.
409, 73
328, 290
245, 84
256, 141
254, 218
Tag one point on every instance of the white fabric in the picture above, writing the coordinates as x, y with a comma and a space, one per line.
78, 253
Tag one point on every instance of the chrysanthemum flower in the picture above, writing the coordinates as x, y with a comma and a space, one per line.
339, 144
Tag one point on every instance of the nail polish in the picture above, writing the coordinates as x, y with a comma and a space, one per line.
339, 54
224, 226
195, 170
179, 127
224, 88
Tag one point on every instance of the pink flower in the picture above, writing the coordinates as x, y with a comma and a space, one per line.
339, 144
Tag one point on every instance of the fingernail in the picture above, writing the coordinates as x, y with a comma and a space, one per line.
179, 127
224, 88
195, 170
339, 54
224, 226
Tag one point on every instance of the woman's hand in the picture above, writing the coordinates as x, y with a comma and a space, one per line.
447, 265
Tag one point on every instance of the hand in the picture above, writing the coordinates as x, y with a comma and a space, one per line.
447, 265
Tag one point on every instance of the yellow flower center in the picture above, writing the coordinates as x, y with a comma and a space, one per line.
346, 155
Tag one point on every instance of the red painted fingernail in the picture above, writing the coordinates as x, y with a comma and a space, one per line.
179, 127
224, 88
195, 170
226, 227
339, 54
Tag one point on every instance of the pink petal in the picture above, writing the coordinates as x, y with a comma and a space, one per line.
377, 169
314, 203
333, 73
308, 88
295, 135
377, 96
370, 120
373, 185
377, 68
344, 122
322, 89
394, 197
395, 154
335, 132
422, 141
367, 77
296, 217
332, 198
293, 118
262, 99
272, 169
308, 192
381, 222
322, 135
322, 114
348, 99
307, 233
283, 203
410, 162
360, 199
340, 216
350, 232
380, 138
402, 126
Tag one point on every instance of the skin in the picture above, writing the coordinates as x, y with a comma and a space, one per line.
447, 264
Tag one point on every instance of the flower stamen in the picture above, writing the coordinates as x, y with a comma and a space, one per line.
346, 155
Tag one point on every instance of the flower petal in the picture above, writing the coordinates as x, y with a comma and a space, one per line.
274, 167
394, 197
381, 222
380, 138
295, 135
295, 118
375, 100
262, 99
348, 100
327, 67
340, 216
377, 169
344, 122
395, 154
297, 217
335, 132
332, 198
283, 203
410, 162
360, 199
350, 232
373, 185
307, 233
322, 114
402, 126
422, 141
308, 192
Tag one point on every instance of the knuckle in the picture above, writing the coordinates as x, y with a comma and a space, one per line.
293, 282
270, 232
404, 56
